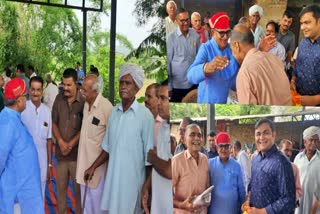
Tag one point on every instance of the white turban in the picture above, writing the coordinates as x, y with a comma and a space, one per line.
256, 8
135, 71
309, 132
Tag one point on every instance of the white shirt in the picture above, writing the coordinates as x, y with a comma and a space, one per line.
33, 75
258, 34
245, 163
162, 199
39, 124
50, 94
310, 188
170, 26
304, 164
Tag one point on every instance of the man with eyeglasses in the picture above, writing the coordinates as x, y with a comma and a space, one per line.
182, 47
271, 188
214, 68
308, 157
226, 177
190, 173
19, 165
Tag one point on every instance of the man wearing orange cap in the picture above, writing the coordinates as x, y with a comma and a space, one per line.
214, 68
226, 177
19, 166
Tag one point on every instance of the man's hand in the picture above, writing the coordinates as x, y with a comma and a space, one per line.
188, 204
257, 211
267, 43
64, 147
293, 85
88, 174
152, 155
217, 63
145, 199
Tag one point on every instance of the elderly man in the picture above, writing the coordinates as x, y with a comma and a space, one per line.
310, 189
190, 173
170, 20
285, 36
66, 123
271, 189
122, 189
285, 147
212, 151
37, 118
182, 130
255, 14
261, 79
19, 165
182, 47
214, 68
151, 98
226, 177
51, 92
305, 77
305, 159
244, 161
160, 157
96, 112
196, 25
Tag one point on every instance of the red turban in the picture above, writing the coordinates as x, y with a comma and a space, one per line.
220, 21
222, 138
15, 88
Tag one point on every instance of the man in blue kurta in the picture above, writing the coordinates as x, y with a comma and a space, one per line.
19, 166
226, 177
129, 137
214, 68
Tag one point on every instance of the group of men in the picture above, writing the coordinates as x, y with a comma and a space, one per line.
94, 142
244, 60
267, 183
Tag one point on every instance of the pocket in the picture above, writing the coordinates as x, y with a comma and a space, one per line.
44, 132
76, 121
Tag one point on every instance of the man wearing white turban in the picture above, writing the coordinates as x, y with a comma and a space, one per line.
309, 156
129, 137
255, 13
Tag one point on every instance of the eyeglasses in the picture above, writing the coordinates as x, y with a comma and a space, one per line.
223, 33
225, 146
184, 20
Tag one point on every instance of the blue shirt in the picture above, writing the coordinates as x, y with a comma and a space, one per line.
212, 154
181, 51
272, 183
228, 193
129, 137
215, 87
19, 166
81, 76
307, 68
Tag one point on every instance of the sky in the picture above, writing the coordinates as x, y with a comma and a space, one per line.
126, 23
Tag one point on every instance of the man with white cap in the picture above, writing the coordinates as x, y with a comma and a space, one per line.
305, 159
214, 68
129, 137
19, 166
226, 177
255, 13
